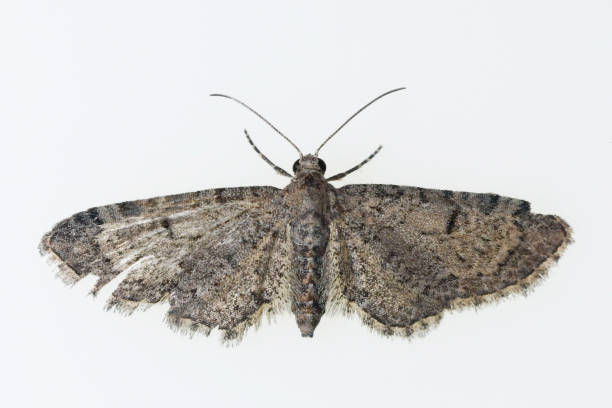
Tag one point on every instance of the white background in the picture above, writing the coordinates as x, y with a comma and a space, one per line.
102, 102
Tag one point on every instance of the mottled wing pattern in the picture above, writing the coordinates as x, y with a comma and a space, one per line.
217, 255
237, 275
406, 254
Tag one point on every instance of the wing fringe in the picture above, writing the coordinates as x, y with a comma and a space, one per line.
229, 337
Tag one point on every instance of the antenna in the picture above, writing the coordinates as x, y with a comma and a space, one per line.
352, 169
355, 114
263, 156
262, 118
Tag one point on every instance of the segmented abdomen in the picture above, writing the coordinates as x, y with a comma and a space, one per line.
309, 235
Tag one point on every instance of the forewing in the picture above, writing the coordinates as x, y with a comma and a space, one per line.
164, 244
413, 252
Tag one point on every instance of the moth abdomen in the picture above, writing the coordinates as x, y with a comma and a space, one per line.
307, 305
309, 237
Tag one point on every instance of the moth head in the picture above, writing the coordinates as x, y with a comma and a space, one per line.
309, 163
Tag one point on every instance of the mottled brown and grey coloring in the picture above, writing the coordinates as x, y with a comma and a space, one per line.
397, 256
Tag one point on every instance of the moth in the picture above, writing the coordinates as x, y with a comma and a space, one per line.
223, 258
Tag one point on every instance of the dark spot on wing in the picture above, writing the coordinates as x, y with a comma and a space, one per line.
524, 207
219, 196
129, 209
452, 220
165, 223
380, 191
82, 218
94, 214
489, 202
451, 279
230, 258
399, 192
422, 195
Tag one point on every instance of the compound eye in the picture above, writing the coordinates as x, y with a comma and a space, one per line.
295, 166
322, 165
